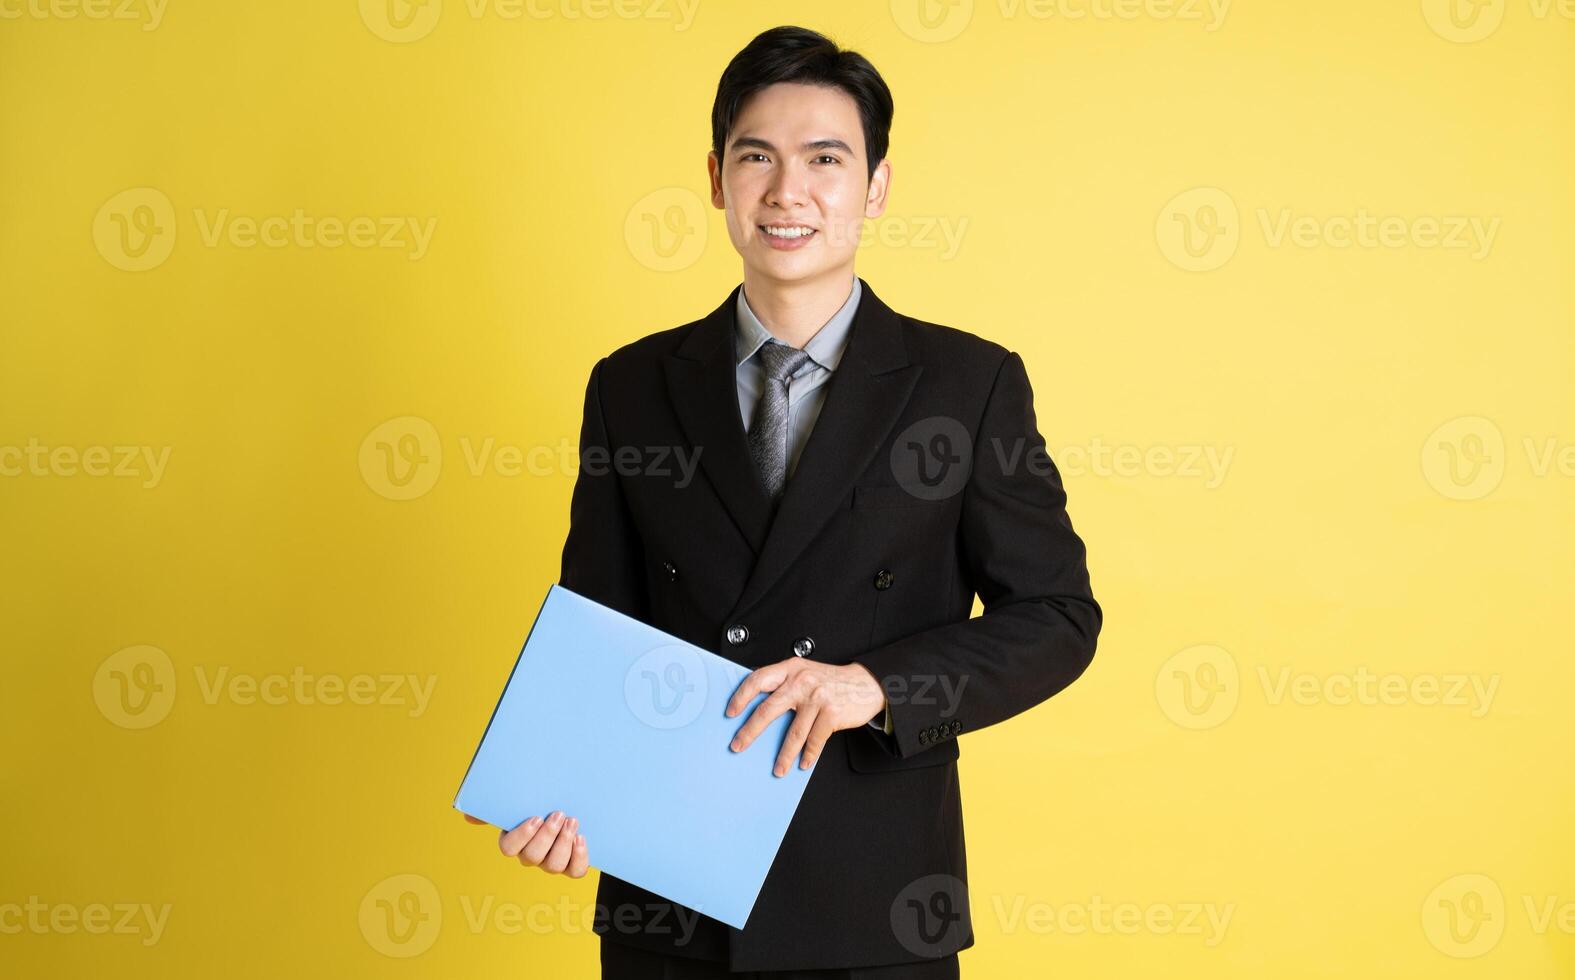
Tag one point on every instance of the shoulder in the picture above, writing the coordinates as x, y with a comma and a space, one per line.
642, 358
956, 358
936, 343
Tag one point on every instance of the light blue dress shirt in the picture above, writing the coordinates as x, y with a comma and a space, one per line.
806, 388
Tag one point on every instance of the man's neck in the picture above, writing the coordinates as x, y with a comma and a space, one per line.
795, 311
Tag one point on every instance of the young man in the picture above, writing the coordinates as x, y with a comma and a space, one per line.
865, 474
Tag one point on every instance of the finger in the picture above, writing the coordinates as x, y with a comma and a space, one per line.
764, 714
536, 850
581, 861
557, 859
767, 678
797, 735
475, 820
511, 842
816, 743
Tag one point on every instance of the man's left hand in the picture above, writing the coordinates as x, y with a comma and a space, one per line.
825, 698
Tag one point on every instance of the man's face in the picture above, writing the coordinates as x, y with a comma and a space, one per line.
796, 158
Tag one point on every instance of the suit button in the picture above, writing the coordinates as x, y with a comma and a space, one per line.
924, 736
737, 634
671, 570
883, 579
803, 646
956, 727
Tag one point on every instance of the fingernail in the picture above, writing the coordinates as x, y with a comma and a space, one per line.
555, 816
735, 746
580, 839
573, 823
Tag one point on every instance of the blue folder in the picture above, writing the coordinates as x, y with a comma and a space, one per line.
622, 725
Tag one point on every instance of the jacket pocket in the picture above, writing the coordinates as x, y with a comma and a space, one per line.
866, 754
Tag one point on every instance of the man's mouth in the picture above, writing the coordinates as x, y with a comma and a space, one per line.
787, 231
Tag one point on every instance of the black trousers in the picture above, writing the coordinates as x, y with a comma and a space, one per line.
620, 962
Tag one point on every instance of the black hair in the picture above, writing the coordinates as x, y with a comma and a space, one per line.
797, 54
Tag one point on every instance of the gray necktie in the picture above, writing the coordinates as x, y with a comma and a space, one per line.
768, 431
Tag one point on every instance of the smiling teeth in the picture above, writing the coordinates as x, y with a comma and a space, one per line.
788, 232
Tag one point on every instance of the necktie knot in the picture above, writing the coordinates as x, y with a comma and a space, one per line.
781, 361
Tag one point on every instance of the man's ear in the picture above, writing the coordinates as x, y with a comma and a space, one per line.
880, 184
713, 167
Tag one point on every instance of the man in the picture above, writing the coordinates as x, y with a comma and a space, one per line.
865, 475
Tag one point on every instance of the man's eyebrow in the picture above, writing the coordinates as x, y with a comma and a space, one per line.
822, 144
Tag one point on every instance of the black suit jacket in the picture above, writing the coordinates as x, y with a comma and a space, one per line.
923, 483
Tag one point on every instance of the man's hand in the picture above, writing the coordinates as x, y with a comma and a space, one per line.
554, 845
825, 698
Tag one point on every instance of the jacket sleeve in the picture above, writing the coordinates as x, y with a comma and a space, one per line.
603, 554
1018, 550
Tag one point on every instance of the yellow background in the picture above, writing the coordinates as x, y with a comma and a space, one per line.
1365, 839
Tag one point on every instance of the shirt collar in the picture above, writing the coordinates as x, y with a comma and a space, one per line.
825, 348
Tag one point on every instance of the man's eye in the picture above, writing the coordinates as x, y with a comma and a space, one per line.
748, 156
827, 156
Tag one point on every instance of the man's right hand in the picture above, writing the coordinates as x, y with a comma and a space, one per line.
553, 844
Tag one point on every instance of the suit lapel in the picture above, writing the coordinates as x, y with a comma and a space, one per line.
702, 384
